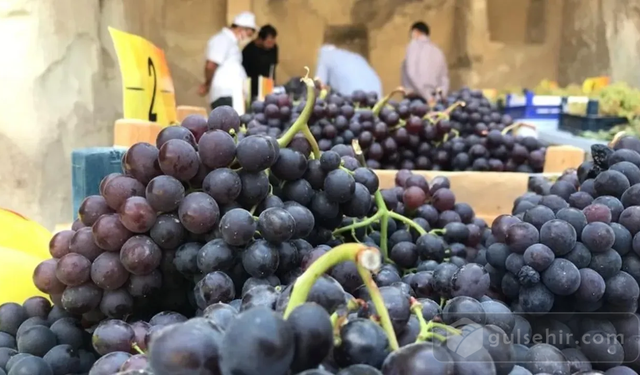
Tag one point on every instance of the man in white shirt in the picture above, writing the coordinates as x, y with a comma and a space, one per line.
345, 71
223, 72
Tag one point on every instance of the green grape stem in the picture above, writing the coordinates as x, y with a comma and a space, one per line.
137, 348
359, 154
426, 327
342, 253
382, 215
367, 260
378, 302
301, 123
435, 117
408, 222
383, 102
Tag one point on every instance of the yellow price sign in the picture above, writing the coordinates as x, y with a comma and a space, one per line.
595, 83
148, 92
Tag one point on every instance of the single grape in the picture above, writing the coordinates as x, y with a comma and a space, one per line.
111, 362
214, 287
313, 335
217, 149
179, 159
108, 234
470, 280
264, 336
215, 255
539, 257
339, 186
31, 365
186, 347
303, 218
290, 165
224, 118
276, 225
44, 278
107, 271
137, 215
238, 227
199, 213
36, 340
223, 184
82, 298
73, 269
68, 331
256, 153
363, 342
164, 193
167, 232
112, 336
197, 124
91, 208
141, 162
119, 188
175, 132
140, 255
260, 259
255, 187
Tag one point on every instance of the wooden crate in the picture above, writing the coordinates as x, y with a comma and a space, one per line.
492, 193
185, 110
128, 132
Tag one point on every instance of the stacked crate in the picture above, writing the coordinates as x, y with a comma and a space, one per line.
90, 165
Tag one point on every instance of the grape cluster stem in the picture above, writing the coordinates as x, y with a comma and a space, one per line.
367, 260
137, 348
383, 102
427, 327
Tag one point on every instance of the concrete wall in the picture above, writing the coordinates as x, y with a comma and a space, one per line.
61, 84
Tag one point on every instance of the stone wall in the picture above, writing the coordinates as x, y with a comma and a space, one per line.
61, 84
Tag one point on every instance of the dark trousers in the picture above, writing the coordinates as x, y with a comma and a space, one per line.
225, 100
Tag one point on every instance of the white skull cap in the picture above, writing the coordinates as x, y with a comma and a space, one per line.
245, 19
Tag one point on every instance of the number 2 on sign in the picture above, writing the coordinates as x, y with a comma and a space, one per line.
153, 117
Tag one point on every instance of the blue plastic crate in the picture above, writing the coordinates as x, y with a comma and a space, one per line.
88, 167
531, 106
576, 125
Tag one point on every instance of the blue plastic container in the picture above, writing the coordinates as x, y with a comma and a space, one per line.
88, 167
531, 106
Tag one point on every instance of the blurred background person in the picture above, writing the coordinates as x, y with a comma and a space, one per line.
224, 76
345, 71
260, 57
424, 69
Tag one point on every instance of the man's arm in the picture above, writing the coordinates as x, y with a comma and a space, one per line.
209, 70
215, 55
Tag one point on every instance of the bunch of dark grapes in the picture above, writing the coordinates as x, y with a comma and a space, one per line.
463, 132
568, 259
186, 264
207, 216
40, 339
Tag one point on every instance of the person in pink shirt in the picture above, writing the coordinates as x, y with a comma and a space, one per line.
424, 69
